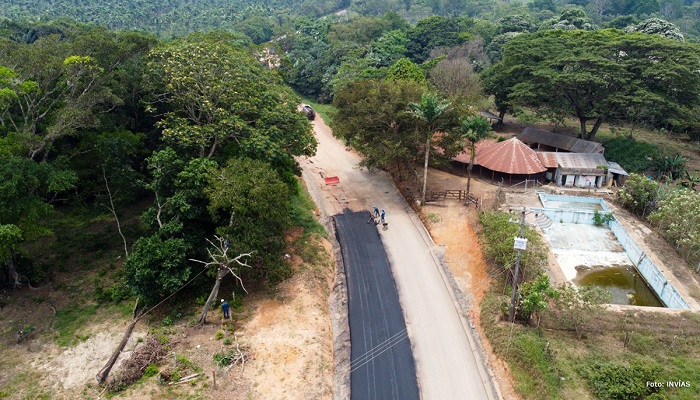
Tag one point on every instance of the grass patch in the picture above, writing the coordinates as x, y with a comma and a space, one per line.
527, 352
614, 360
25, 383
633, 155
68, 322
302, 213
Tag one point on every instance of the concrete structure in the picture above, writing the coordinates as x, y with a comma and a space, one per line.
580, 211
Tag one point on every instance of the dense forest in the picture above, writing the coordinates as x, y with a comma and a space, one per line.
262, 20
97, 119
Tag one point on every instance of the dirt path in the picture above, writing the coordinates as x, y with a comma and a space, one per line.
448, 360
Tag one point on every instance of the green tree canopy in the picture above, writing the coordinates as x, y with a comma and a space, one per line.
250, 204
26, 189
157, 266
433, 32
371, 117
600, 75
405, 70
215, 95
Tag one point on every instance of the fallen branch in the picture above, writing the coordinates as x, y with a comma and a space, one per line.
104, 372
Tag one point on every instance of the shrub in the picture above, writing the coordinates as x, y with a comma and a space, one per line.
632, 155
639, 195
616, 381
497, 238
678, 219
534, 298
224, 359
150, 371
600, 218
576, 307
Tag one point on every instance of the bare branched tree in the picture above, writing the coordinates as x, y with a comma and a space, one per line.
224, 264
113, 210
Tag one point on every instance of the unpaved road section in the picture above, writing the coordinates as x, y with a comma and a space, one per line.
382, 365
449, 362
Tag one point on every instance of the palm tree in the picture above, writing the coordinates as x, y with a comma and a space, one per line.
474, 129
430, 109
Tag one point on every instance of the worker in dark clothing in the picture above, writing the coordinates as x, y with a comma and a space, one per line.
376, 212
383, 215
225, 309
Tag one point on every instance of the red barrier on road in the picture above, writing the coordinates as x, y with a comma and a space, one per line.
332, 180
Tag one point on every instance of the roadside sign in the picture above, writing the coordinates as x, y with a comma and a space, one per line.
520, 244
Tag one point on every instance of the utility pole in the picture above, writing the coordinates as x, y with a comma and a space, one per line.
520, 244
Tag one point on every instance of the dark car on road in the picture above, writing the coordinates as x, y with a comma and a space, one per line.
310, 113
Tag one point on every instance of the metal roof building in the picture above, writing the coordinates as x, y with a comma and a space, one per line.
542, 140
511, 156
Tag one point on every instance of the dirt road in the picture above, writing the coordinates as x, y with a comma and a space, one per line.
449, 363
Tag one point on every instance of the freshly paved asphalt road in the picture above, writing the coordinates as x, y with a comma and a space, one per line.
448, 361
382, 365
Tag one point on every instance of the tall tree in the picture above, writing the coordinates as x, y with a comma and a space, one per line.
473, 129
251, 207
26, 190
62, 85
600, 75
433, 32
429, 110
372, 118
215, 95
456, 79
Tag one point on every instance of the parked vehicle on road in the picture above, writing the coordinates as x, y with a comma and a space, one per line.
310, 113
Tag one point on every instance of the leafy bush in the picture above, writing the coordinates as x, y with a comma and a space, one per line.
617, 381
534, 298
670, 167
150, 371
576, 307
678, 219
224, 359
114, 293
639, 195
600, 218
497, 238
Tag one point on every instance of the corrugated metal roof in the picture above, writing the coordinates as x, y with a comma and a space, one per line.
511, 156
549, 160
488, 114
615, 168
463, 157
573, 161
531, 135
